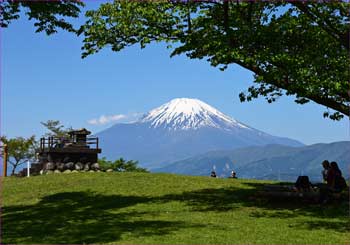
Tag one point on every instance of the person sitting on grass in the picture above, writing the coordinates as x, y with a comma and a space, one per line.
335, 183
326, 166
335, 179
303, 184
233, 175
213, 174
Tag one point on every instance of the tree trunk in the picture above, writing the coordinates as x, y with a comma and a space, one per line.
14, 168
13, 171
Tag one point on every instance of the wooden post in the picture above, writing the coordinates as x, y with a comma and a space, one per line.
5, 156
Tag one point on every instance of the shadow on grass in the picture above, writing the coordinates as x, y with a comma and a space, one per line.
85, 217
339, 226
224, 199
79, 217
333, 216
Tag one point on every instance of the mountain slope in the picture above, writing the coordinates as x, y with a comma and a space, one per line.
180, 129
266, 162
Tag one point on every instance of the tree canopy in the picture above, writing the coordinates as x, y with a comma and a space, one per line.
20, 150
121, 165
55, 128
293, 47
48, 15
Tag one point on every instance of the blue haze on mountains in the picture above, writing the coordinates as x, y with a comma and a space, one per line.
197, 151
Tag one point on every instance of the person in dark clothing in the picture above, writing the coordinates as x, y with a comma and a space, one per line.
335, 179
213, 174
335, 183
303, 184
326, 167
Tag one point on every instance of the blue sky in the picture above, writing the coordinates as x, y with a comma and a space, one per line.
43, 77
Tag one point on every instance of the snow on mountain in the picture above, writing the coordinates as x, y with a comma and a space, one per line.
185, 114
180, 129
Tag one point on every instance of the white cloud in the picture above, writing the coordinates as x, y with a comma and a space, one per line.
107, 119
104, 119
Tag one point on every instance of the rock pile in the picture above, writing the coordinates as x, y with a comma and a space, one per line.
70, 167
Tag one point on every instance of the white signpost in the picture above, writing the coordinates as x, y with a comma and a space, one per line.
28, 168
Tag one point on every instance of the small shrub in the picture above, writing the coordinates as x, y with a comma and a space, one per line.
121, 165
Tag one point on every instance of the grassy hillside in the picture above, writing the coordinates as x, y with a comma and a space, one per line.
138, 208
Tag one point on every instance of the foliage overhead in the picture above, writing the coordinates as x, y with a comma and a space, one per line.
20, 150
292, 47
48, 15
55, 129
120, 165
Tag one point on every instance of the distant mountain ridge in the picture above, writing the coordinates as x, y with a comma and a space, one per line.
180, 129
275, 162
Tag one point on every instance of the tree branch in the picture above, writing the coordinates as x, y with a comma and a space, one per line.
327, 26
331, 103
226, 18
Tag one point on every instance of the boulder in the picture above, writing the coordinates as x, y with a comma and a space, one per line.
50, 166
79, 166
109, 170
75, 171
61, 166
57, 171
86, 166
92, 171
49, 172
95, 166
69, 165
68, 171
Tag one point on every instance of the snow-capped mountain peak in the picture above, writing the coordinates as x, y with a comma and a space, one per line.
180, 129
184, 114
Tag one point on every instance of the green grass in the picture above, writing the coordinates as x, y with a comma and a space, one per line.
139, 208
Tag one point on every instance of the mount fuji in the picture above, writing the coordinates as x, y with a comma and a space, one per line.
180, 129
